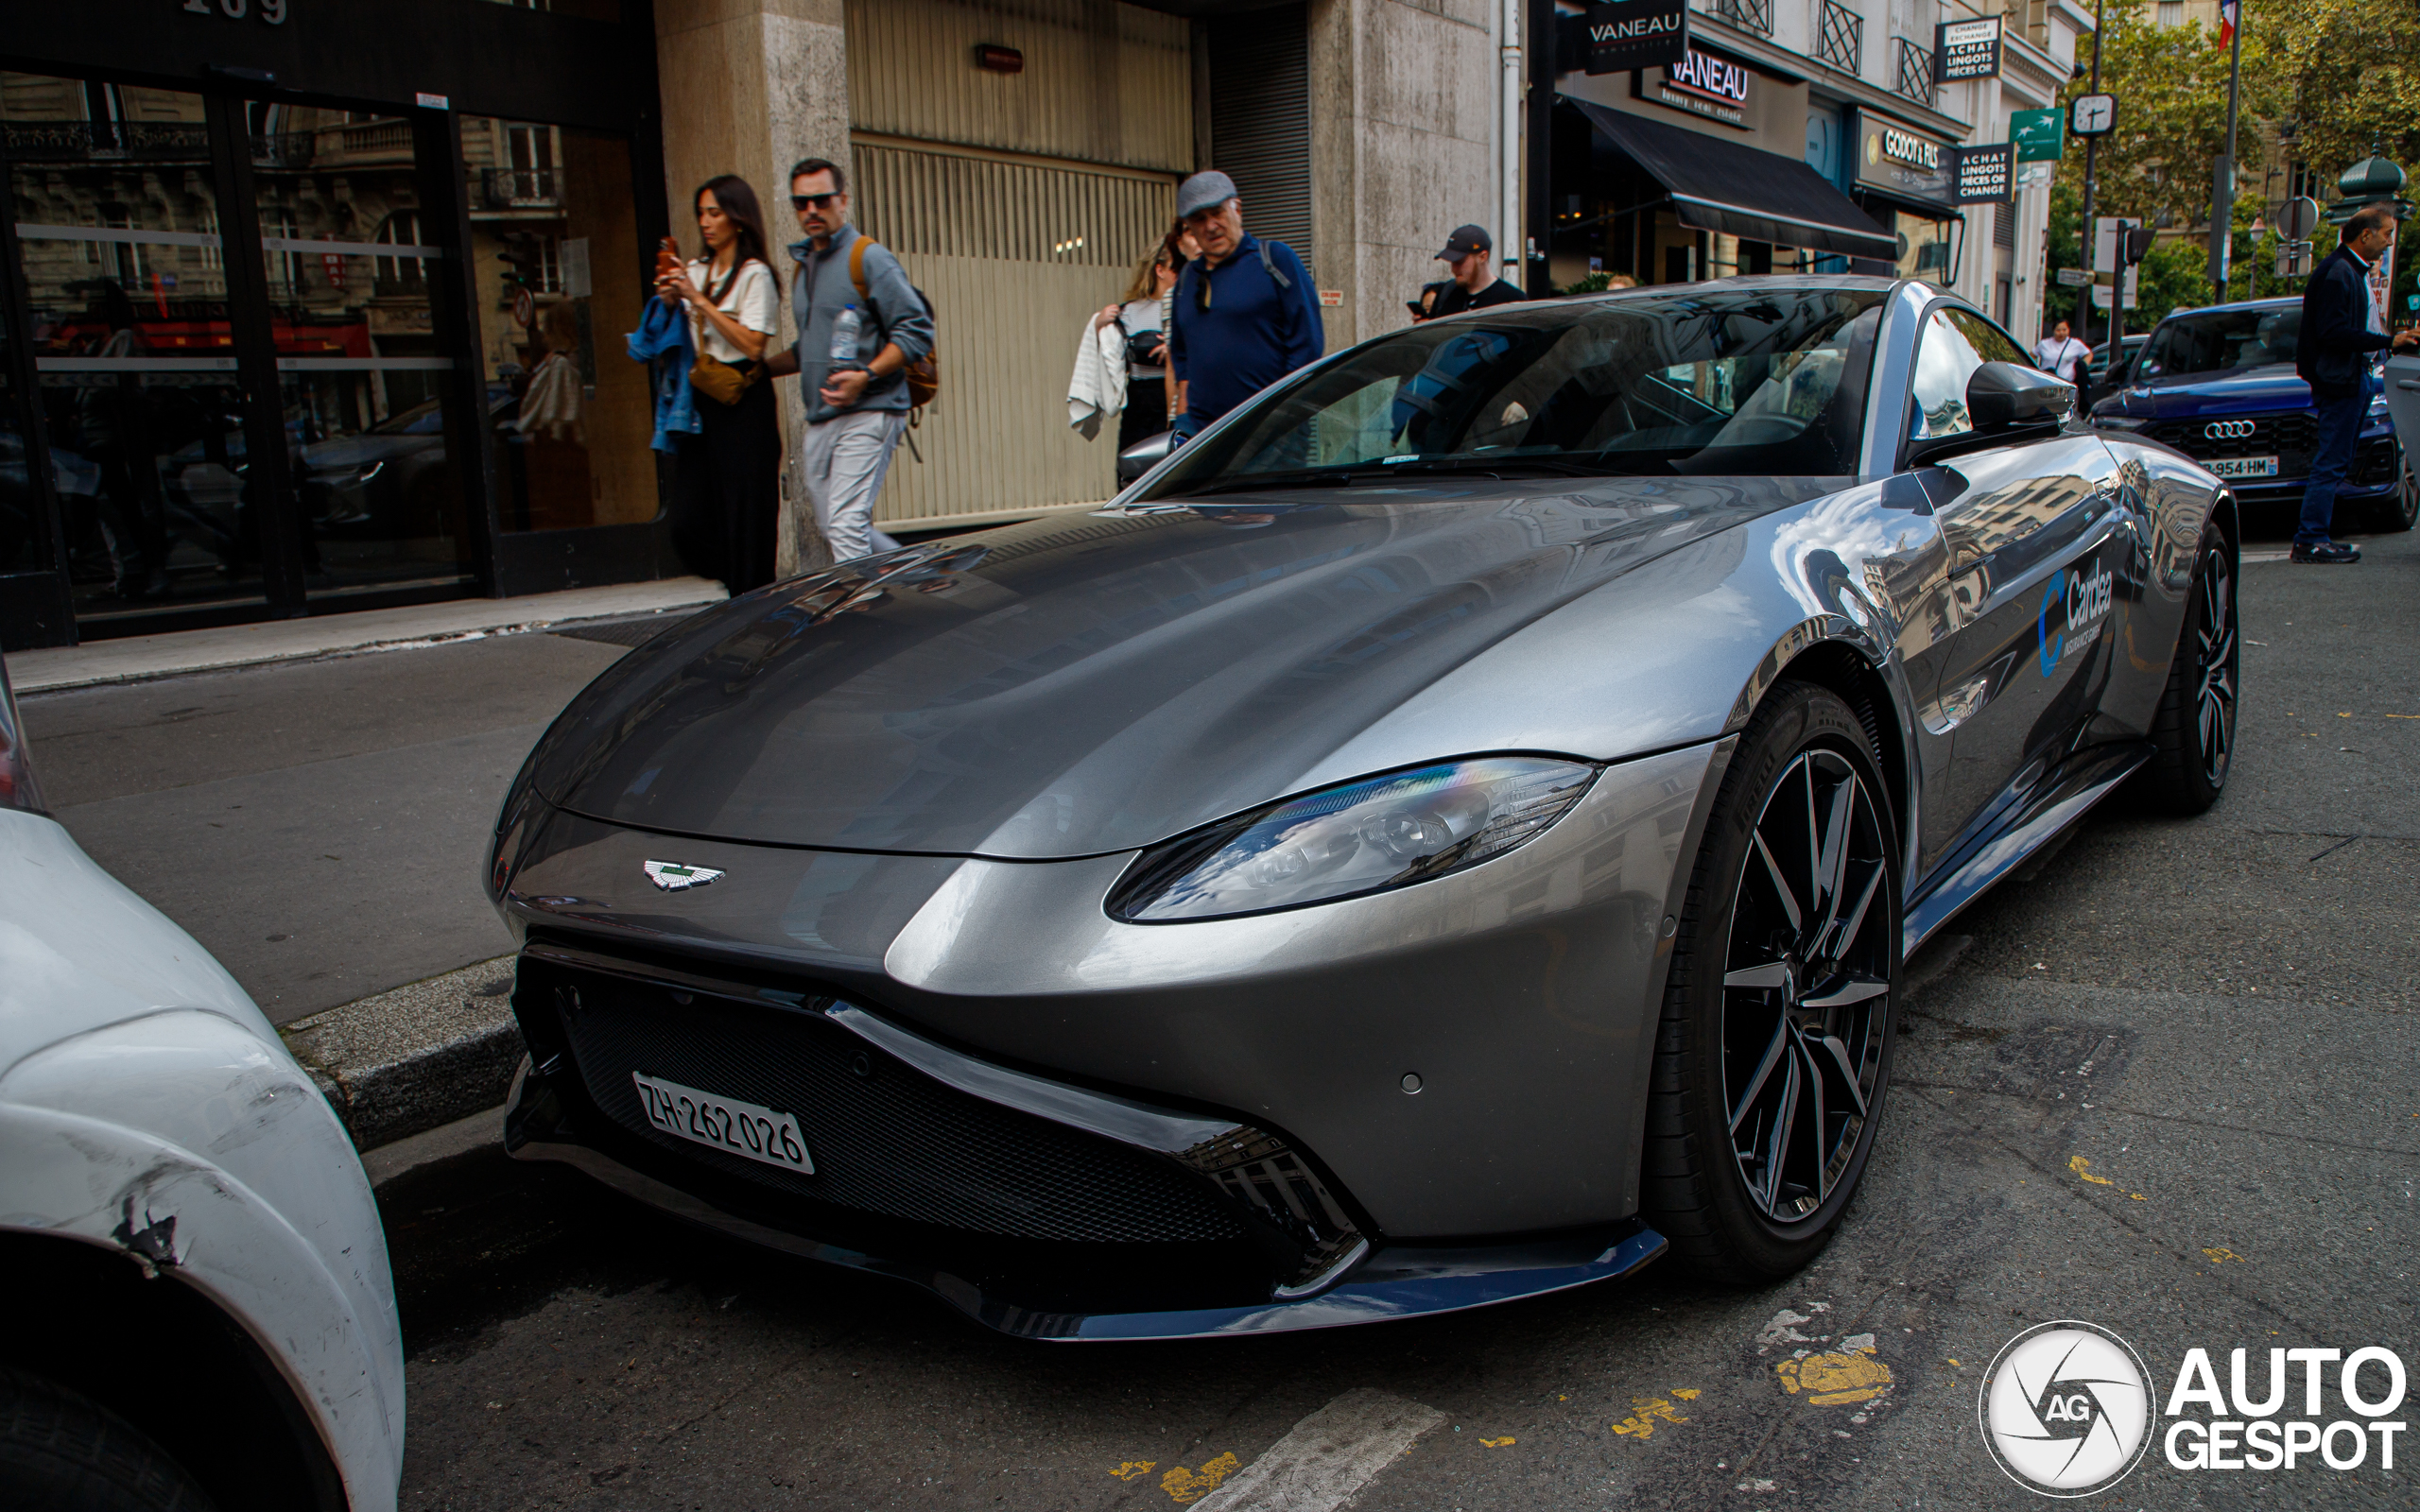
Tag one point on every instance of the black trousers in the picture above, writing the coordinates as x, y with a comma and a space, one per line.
729, 503
1147, 411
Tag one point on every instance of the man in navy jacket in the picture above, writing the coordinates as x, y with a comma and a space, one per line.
1242, 315
2341, 327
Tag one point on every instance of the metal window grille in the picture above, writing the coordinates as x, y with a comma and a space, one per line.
1839, 39
521, 188
1915, 72
1749, 15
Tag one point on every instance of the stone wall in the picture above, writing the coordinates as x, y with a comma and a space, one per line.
1404, 116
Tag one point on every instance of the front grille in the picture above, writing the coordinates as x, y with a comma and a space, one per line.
2288, 437
885, 1137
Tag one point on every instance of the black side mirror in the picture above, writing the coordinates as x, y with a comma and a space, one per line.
2005, 396
1144, 456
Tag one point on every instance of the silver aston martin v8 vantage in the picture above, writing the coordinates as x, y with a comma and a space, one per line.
1448, 834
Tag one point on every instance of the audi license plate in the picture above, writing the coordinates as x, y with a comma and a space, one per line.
725, 1123
2244, 467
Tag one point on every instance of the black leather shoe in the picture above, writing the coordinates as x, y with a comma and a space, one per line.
2329, 554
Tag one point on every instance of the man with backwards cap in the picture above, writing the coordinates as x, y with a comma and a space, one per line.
1243, 315
1469, 256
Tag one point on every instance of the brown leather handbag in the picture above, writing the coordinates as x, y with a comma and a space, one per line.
718, 380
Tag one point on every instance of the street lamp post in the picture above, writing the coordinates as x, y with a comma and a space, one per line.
2091, 152
2223, 171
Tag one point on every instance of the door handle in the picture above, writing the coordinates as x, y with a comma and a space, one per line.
2405, 383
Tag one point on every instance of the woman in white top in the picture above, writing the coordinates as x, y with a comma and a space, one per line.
727, 488
1143, 313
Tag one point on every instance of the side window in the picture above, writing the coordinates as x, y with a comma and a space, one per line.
1945, 360
1987, 338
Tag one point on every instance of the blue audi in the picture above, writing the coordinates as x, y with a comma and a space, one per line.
2218, 385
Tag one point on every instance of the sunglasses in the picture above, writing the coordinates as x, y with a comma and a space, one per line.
818, 201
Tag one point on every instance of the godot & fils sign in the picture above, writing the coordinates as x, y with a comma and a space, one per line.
1633, 34
1893, 158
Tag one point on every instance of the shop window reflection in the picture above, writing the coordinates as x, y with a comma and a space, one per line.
118, 236
557, 265
378, 501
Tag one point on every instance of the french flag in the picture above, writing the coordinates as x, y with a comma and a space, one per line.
2226, 21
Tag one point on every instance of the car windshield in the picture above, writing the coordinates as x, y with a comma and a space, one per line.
2222, 341
1762, 381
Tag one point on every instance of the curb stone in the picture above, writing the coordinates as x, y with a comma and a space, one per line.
404, 1061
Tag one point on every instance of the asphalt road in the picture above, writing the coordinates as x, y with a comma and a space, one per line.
2163, 1080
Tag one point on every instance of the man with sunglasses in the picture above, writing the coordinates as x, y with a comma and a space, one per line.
1244, 315
857, 409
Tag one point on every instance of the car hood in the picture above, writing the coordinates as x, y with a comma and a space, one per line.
1090, 683
2190, 396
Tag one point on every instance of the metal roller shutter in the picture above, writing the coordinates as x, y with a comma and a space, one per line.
1015, 255
1260, 120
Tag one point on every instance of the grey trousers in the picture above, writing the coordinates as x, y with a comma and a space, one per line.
844, 460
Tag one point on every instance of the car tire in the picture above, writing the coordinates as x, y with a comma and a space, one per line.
1779, 1011
2400, 509
2193, 732
61, 1450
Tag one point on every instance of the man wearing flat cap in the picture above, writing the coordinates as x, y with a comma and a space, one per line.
1243, 315
1469, 256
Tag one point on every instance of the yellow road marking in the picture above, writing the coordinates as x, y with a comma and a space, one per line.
1192, 1486
1645, 1413
1497, 1443
1134, 1470
2222, 1255
2083, 1168
1835, 1380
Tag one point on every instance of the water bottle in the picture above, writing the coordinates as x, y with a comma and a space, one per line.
844, 338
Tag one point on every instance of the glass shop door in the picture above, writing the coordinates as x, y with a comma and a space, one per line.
244, 408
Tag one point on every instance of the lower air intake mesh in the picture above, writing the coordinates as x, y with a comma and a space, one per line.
884, 1137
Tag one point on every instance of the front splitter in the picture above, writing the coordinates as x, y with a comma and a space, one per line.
1399, 1281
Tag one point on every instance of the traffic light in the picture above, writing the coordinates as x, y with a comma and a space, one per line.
2136, 243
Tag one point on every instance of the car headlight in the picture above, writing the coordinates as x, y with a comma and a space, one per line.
1358, 837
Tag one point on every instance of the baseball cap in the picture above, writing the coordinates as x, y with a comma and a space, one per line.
1206, 190
1465, 240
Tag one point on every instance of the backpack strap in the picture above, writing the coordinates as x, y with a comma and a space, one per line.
1269, 265
857, 268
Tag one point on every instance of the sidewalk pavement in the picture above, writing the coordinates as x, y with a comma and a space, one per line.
141, 657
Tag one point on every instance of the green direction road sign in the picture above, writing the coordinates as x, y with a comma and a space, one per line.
2039, 135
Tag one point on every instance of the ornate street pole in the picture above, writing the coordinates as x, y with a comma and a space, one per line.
2091, 151
2223, 171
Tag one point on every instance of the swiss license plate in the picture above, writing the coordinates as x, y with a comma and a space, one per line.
2244, 467
727, 1123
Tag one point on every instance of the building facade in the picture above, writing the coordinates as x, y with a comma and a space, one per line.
308, 306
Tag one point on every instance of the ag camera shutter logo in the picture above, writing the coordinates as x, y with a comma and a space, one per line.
2066, 1409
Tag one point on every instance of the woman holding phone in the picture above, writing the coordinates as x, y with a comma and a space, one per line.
726, 482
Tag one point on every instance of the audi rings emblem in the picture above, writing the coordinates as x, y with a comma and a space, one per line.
2230, 430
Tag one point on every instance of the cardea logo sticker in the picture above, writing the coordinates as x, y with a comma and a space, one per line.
2072, 603
673, 877
2066, 1409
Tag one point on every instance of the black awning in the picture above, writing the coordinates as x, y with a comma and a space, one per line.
1742, 190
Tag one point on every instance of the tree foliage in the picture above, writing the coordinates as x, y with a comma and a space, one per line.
2171, 88
2350, 73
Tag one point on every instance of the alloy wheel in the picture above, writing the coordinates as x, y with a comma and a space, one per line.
2216, 652
1806, 1000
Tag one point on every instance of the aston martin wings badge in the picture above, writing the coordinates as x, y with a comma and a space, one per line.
673, 877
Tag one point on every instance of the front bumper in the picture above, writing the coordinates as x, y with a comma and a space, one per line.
1412, 1087
1070, 1293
